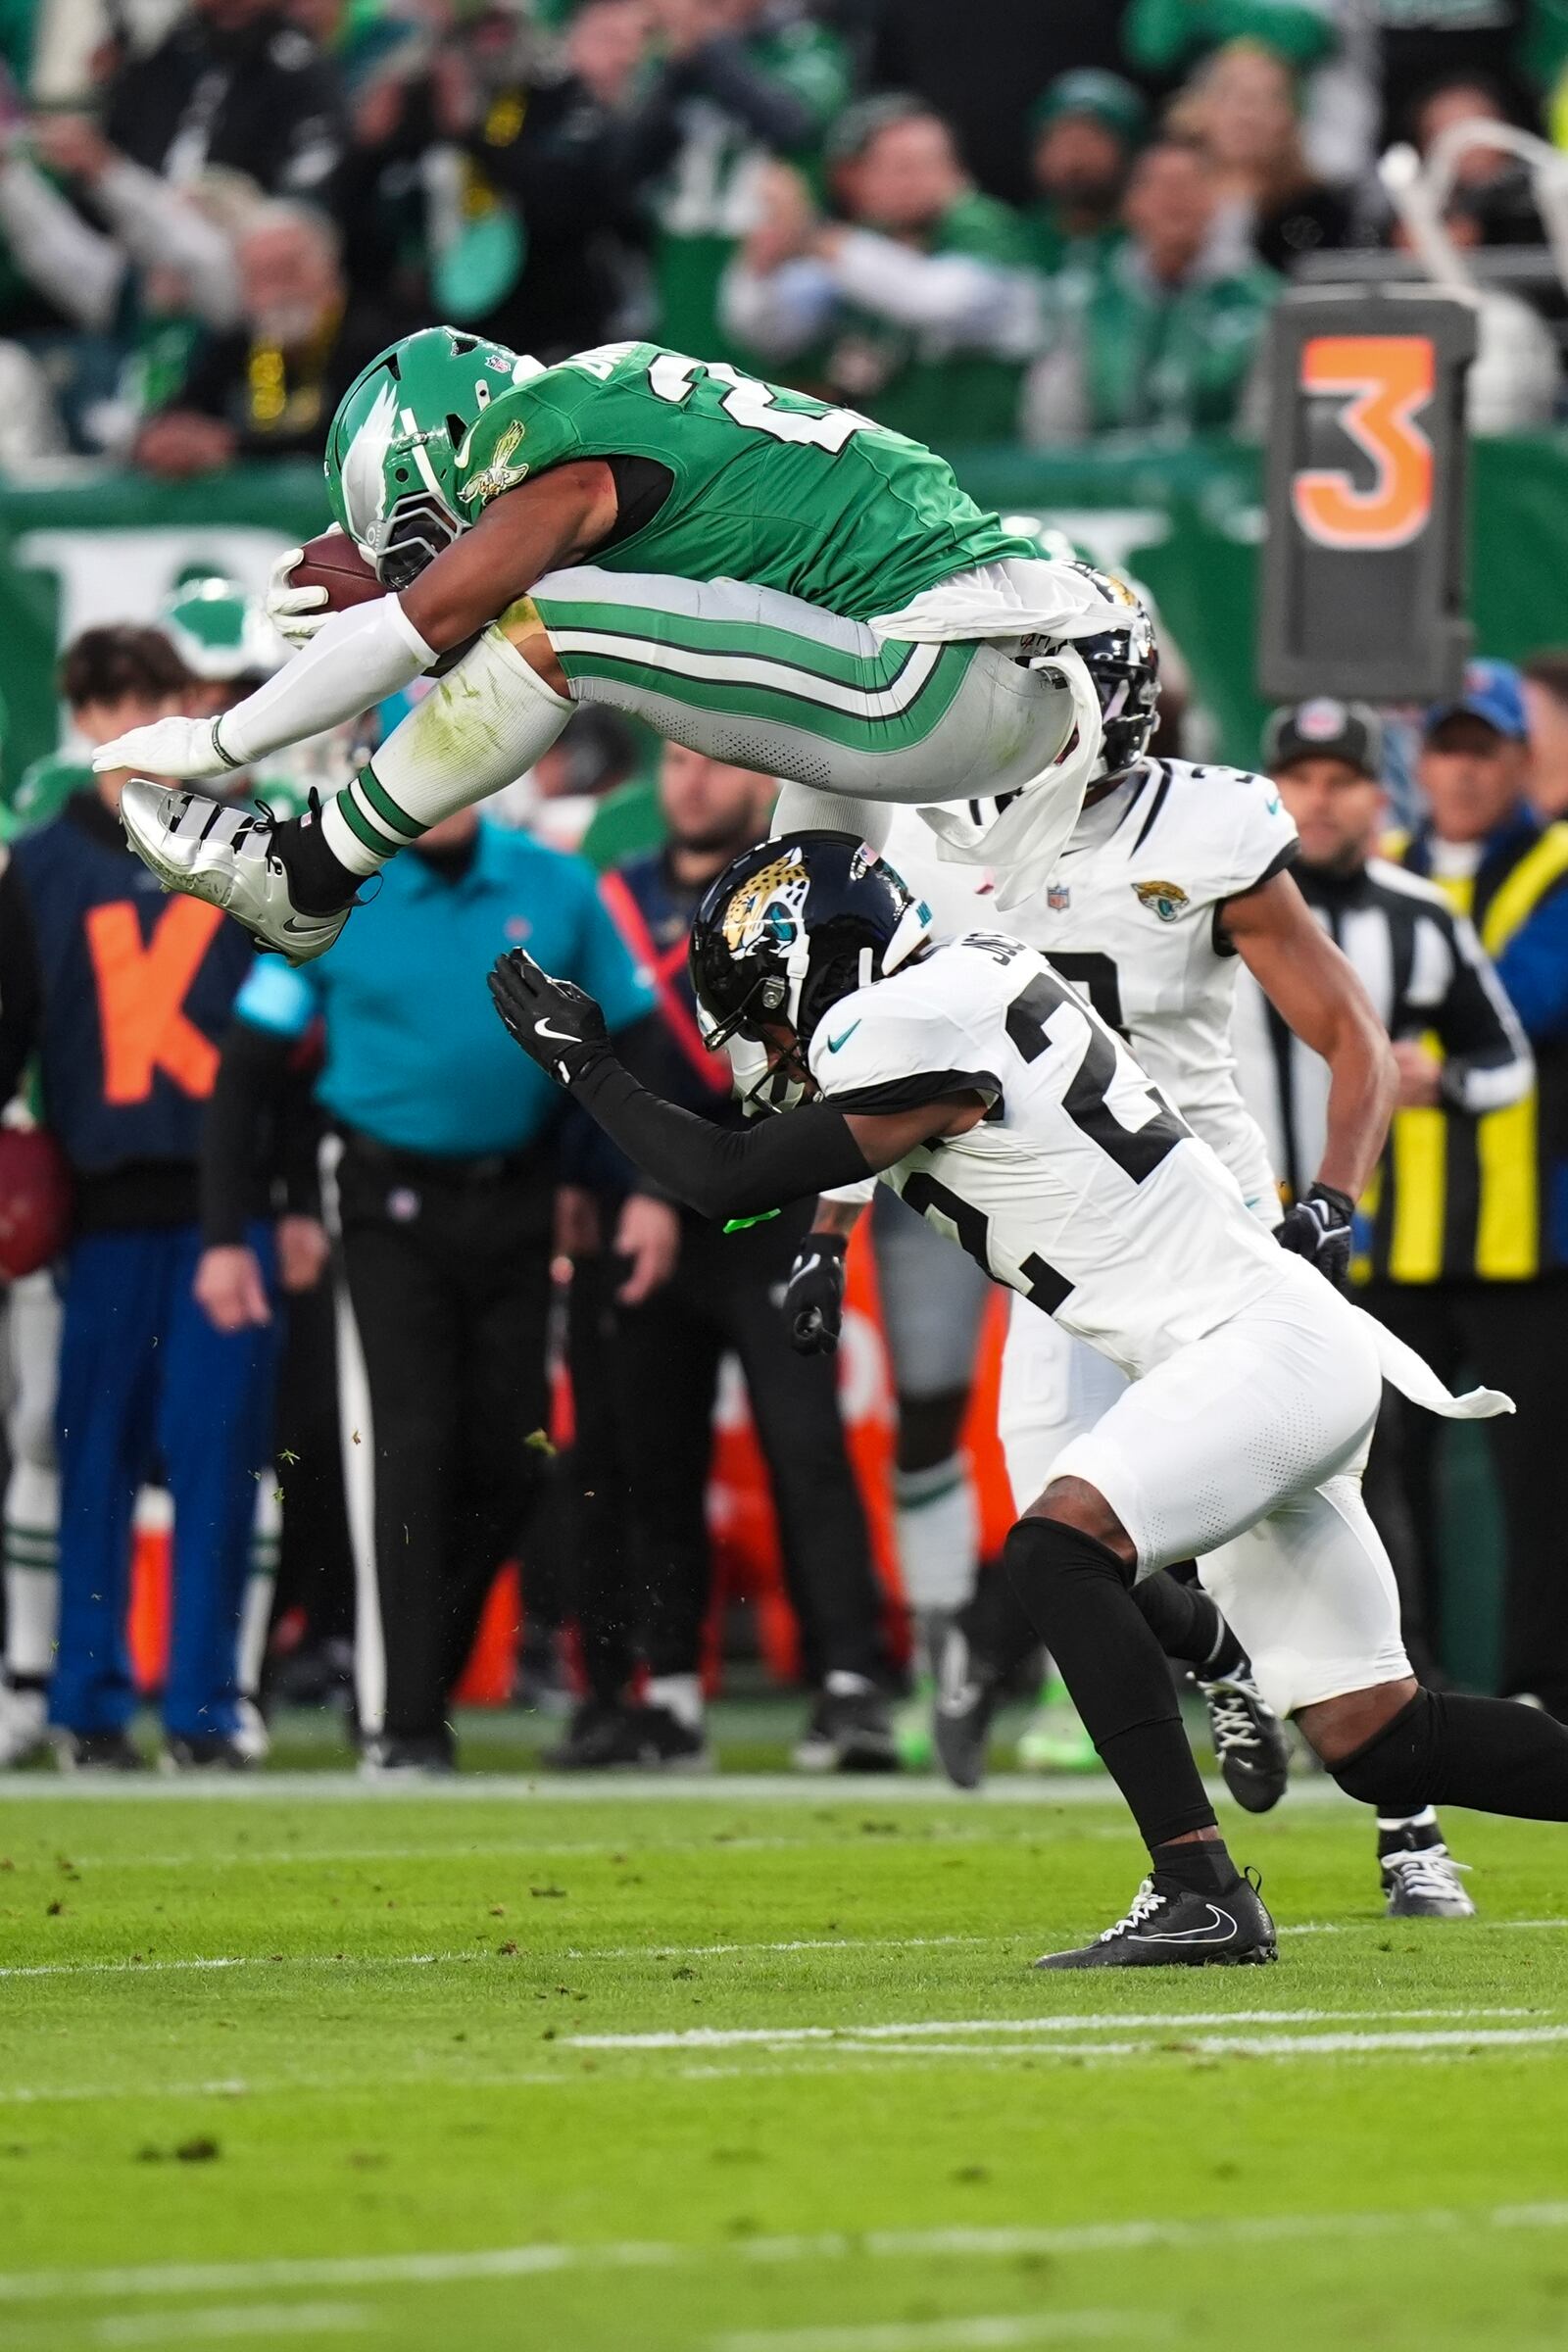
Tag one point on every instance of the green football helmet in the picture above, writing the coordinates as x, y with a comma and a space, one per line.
398, 444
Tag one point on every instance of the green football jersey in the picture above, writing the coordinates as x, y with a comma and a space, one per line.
769, 486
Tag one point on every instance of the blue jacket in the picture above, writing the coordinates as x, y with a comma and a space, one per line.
122, 993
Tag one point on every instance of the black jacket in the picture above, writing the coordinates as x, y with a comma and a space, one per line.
261, 100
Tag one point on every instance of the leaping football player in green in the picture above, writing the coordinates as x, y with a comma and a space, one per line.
771, 580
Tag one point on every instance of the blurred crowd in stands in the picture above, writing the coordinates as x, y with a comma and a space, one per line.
1050, 222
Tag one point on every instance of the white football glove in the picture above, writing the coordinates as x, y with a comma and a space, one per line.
296, 614
170, 747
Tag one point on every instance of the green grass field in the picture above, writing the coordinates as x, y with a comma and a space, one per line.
753, 2067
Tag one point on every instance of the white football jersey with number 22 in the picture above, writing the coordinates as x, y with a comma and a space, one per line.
1082, 1189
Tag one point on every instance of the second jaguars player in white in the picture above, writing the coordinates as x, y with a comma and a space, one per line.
1175, 874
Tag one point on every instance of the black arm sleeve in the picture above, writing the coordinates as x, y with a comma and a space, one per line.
237, 1133
21, 983
717, 1170
1487, 1060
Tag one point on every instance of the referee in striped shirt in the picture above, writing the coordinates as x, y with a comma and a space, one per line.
1463, 1055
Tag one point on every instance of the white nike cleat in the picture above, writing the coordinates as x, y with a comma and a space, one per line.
223, 854
1425, 1884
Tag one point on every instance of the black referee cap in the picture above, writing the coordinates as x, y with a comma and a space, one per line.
1324, 730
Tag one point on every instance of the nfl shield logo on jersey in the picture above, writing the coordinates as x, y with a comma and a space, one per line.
1058, 897
1167, 899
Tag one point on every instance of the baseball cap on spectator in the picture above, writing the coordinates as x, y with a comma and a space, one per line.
1493, 691
1324, 730
1090, 90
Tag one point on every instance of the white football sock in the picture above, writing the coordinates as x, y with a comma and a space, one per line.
480, 727
256, 1615
33, 1571
802, 808
937, 1518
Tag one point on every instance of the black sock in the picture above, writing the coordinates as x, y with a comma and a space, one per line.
1076, 1594
319, 881
1199, 1864
1187, 1624
1447, 1749
1410, 1833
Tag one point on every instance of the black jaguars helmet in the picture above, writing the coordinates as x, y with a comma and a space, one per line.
793, 925
1124, 663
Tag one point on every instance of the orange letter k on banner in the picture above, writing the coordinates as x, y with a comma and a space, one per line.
141, 997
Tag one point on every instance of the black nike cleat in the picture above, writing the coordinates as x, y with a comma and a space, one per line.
967, 1694
1252, 1746
1171, 1927
385, 1756
98, 1751
210, 1752
635, 1740
850, 1729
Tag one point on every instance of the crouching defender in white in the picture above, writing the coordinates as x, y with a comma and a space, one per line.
996, 1102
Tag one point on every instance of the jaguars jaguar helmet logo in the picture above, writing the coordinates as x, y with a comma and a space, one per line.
769, 906
1167, 899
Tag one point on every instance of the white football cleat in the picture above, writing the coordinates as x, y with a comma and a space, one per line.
24, 1725
223, 854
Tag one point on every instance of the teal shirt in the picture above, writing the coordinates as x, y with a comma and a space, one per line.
415, 1054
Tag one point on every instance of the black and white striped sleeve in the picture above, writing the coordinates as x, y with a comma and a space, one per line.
1488, 1063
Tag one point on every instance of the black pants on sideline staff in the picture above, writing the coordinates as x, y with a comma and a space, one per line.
724, 1295
1511, 1336
444, 1303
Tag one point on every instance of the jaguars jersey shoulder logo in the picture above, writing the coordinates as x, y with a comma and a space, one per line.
500, 475
1167, 899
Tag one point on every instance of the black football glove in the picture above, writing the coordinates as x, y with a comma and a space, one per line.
554, 1022
814, 1295
1319, 1228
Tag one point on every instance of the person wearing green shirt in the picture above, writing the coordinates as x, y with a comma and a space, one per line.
1088, 126
1161, 341
741, 82
919, 306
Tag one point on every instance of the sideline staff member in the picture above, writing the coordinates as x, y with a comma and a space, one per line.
438, 1184
123, 995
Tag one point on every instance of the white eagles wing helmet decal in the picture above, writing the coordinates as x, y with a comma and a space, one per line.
364, 477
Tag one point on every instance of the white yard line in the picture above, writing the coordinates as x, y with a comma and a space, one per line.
980, 2335
554, 1954
227, 2321
433, 2269
837, 2048
729, 2038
